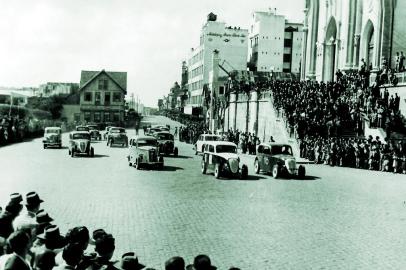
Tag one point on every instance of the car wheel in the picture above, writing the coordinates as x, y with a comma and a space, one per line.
203, 167
111, 143
72, 153
137, 164
257, 168
91, 152
217, 171
301, 172
175, 152
45, 146
275, 171
60, 146
69, 152
244, 172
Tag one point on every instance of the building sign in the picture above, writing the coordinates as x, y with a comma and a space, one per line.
226, 35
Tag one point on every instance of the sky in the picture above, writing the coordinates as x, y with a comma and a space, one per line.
53, 40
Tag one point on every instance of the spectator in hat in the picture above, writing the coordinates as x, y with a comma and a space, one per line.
43, 221
71, 254
98, 233
19, 243
7, 217
78, 235
45, 260
202, 262
51, 239
27, 218
104, 247
129, 261
175, 263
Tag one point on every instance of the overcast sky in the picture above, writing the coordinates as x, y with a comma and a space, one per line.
53, 40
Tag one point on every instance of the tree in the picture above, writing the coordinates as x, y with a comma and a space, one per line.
53, 104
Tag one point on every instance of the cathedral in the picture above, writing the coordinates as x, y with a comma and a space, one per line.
339, 34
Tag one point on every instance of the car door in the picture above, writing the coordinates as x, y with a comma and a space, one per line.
266, 154
260, 156
210, 151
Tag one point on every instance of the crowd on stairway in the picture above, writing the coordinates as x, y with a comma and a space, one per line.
31, 240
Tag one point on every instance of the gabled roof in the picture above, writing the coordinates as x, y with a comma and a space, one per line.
119, 78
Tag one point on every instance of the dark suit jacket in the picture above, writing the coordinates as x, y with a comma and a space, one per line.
16, 263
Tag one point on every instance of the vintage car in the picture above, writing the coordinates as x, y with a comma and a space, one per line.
52, 137
203, 139
144, 152
79, 144
278, 160
166, 143
222, 158
82, 128
117, 135
152, 130
94, 132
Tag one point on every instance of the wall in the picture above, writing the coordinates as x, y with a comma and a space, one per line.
69, 111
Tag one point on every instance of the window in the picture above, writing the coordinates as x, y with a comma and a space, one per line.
221, 90
116, 97
287, 43
97, 117
211, 148
88, 97
107, 117
116, 117
76, 116
107, 98
87, 116
103, 84
97, 98
286, 58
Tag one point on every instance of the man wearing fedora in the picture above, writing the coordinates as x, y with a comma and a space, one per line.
11, 211
202, 262
175, 263
43, 221
72, 254
51, 240
19, 243
129, 261
28, 218
104, 247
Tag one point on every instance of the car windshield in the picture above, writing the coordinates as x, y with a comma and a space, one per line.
282, 149
226, 149
146, 142
117, 130
53, 131
82, 129
84, 136
164, 136
211, 138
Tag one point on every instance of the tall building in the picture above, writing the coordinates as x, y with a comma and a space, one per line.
231, 42
339, 34
274, 43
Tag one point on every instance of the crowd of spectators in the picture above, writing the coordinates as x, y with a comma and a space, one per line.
29, 239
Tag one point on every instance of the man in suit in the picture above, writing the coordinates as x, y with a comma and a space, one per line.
19, 243
27, 219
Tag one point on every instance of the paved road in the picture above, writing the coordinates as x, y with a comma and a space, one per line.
341, 219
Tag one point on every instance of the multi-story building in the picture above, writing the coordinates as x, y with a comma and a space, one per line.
57, 88
274, 43
102, 96
231, 42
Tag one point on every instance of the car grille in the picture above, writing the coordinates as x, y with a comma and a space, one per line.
152, 155
82, 147
233, 165
290, 164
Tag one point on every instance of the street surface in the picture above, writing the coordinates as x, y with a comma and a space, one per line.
338, 218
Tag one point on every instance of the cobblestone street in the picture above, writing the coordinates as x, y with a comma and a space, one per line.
338, 219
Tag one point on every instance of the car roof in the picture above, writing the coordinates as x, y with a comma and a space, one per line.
52, 128
163, 132
80, 132
81, 126
117, 127
275, 144
215, 143
143, 138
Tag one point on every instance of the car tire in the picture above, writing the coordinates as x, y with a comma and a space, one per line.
176, 152
244, 172
69, 152
217, 171
45, 146
72, 153
275, 171
301, 172
257, 167
60, 146
203, 167
91, 152
111, 143
137, 164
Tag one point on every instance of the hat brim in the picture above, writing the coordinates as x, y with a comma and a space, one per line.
58, 243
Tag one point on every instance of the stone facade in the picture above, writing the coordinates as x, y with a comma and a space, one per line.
338, 34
